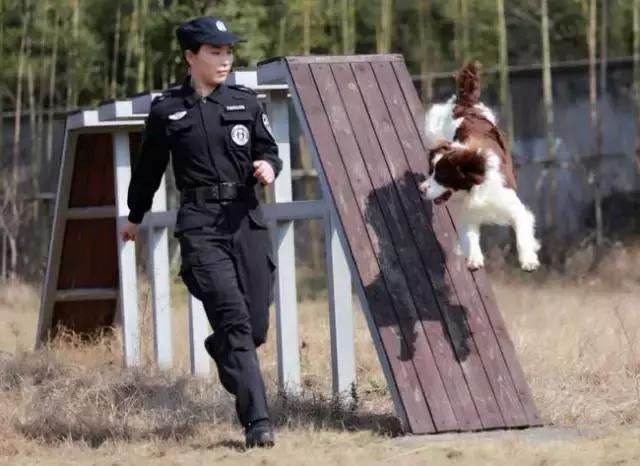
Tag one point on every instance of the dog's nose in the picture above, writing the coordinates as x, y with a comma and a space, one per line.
423, 187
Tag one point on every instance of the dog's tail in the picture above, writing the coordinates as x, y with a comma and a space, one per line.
468, 85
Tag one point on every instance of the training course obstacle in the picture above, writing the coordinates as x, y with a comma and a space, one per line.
443, 345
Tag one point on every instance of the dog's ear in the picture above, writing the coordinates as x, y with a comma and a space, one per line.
470, 164
442, 145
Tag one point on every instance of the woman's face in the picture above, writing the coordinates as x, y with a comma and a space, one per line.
212, 64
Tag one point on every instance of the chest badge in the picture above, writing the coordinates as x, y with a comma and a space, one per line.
240, 135
177, 115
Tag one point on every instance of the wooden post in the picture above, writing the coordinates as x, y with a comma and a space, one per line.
343, 361
126, 252
160, 283
286, 293
57, 237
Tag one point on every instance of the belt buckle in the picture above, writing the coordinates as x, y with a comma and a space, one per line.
227, 191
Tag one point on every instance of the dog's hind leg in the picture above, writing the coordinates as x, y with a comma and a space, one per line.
523, 223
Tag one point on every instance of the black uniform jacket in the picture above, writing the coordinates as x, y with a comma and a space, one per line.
212, 139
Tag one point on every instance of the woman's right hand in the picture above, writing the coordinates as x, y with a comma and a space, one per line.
130, 231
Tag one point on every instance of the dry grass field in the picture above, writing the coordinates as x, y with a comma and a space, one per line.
578, 337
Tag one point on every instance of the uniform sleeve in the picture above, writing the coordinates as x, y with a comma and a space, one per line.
264, 146
147, 174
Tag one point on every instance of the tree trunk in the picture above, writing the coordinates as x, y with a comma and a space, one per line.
282, 36
348, 21
344, 21
11, 217
306, 27
34, 156
604, 14
3, 252
547, 85
592, 32
141, 52
132, 40
505, 91
636, 74
424, 36
42, 85
52, 85
353, 9
384, 31
72, 91
18, 110
466, 40
113, 91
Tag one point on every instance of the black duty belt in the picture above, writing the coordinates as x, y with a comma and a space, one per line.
225, 191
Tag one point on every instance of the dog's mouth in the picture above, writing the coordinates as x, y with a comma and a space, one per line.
441, 199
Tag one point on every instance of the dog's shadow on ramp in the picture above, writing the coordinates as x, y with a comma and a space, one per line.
411, 289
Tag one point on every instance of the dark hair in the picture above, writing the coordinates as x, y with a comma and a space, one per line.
194, 47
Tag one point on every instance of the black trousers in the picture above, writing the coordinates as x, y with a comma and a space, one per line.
228, 266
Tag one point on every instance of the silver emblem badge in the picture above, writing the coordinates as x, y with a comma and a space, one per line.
240, 135
220, 25
177, 115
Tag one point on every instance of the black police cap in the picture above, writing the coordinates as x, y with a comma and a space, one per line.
205, 30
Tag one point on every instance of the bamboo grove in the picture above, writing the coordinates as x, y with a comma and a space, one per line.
58, 55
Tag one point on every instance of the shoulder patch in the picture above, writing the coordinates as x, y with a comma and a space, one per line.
242, 88
160, 98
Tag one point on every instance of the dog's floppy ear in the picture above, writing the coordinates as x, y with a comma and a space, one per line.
470, 164
442, 145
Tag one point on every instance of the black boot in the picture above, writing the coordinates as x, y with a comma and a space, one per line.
259, 434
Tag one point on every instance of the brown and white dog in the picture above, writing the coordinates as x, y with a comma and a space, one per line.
471, 164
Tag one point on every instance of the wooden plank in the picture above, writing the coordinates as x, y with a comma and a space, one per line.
199, 329
508, 349
90, 213
126, 252
343, 356
452, 342
359, 288
442, 321
286, 293
87, 294
88, 255
491, 349
315, 59
413, 408
45, 317
380, 210
85, 317
92, 181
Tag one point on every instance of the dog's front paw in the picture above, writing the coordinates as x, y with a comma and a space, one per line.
475, 262
530, 262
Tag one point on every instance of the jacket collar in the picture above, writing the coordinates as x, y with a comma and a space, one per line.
191, 96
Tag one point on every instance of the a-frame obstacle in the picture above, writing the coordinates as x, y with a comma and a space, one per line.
447, 357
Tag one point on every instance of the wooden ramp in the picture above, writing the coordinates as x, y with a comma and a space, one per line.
449, 362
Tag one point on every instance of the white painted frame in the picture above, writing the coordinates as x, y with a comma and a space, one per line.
124, 116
